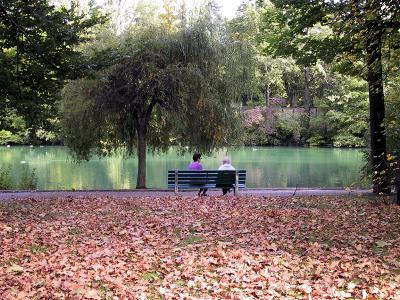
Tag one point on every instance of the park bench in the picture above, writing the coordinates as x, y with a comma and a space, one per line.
209, 179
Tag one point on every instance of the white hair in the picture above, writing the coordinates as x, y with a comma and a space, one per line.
226, 160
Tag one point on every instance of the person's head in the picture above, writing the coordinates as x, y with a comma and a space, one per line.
196, 156
226, 160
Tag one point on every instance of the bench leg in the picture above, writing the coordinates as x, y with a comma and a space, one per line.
176, 182
236, 183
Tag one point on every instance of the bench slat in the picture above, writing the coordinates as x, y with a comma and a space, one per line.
189, 186
188, 179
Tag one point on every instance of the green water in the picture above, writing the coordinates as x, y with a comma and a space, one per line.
266, 167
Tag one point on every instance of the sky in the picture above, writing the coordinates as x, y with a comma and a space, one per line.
228, 7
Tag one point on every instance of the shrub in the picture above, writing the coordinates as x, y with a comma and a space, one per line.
255, 136
28, 180
289, 130
5, 179
316, 140
347, 140
7, 137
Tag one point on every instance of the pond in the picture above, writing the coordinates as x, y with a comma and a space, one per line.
271, 167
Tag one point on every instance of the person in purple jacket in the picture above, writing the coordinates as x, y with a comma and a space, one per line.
196, 166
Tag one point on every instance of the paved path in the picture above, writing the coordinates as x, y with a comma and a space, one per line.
8, 195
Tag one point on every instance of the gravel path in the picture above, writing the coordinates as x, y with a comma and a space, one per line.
8, 195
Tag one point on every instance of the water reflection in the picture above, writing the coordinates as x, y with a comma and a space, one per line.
266, 167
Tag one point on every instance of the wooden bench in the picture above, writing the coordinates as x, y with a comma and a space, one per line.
208, 179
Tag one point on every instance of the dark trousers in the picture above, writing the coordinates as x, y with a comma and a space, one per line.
202, 192
225, 190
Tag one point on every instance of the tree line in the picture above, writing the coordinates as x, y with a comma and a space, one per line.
101, 81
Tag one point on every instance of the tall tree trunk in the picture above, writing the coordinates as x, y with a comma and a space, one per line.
294, 99
376, 109
307, 97
398, 195
142, 149
398, 179
267, 94
288, 89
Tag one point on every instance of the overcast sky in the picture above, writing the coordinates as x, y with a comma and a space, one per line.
228, 7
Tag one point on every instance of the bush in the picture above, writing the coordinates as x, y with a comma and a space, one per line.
28, 180
7, 137
255, 136
347, 140
289, 130
5, 179
316, 140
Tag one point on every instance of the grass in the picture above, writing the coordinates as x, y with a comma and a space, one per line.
38, 249
152, 276
191, 240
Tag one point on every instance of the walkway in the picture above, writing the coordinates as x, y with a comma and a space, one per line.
8, 195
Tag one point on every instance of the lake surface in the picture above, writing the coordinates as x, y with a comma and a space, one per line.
272, 167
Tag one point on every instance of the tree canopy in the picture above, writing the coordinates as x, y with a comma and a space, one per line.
162, 89
158, 74
37, 53
357, 32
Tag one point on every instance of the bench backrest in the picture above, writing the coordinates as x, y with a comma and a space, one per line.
205, 178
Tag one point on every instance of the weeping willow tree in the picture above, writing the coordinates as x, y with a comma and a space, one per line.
161, 89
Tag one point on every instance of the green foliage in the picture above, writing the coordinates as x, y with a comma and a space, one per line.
161, 89
5, 178
392, 124
28, 180
187, 82
345, 108
340, 121
79, 131
37, 53
316, 140
255, 136
347, 140
392, 121
315, 30
289, 130
7, 137
14, 128
319, 132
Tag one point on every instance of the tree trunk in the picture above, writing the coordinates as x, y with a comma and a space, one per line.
294, 99
288, 89
142, 149
397, 179
267, 94
307, 97
376, 110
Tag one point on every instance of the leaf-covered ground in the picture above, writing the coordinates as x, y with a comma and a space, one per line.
199, 248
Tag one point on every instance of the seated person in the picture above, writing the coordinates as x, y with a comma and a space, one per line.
226, 165
196, 166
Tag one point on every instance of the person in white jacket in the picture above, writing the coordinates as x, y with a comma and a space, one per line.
226, 165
